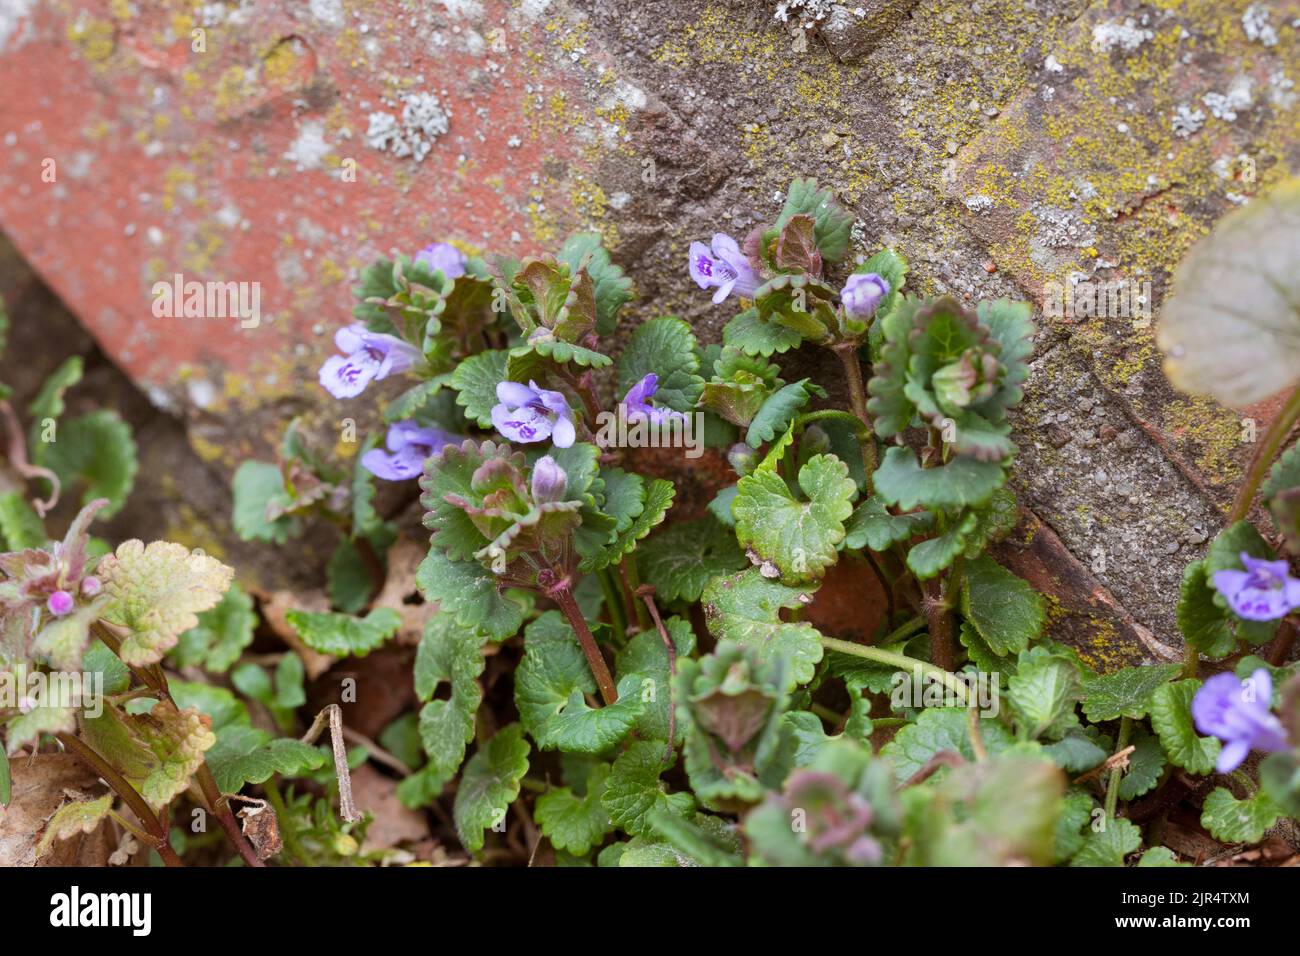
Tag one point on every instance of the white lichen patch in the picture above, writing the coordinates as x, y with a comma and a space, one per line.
422, 121
1112, 34
804, 12
1255, 21
13, 13
1187, 120
1226, 106
328, 12
309, 148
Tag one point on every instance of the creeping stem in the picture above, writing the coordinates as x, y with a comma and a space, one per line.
1273, 441
157, 831
156, 680
848, 353
902, 662
1112, 786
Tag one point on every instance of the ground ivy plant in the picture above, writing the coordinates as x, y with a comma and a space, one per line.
659, 694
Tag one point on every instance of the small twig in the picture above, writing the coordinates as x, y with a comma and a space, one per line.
944, 758
377, 753
18, 458
1119, 760
333, 715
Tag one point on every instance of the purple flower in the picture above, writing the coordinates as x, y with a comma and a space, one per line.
862, 293
528, 413
1263, 592
90, 586
410, 445
1237, 712
725, 268
637, 402
367, 356
60, 603
549, 481
442, 257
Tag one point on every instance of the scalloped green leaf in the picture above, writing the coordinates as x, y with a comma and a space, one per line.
681, 559
754, 335
97, 451
551, 684
937, 730
469, 592
779, 410
658, 499
1171, 719
746, 608
475, 381
1145, 765
798, 537
259, 486
222, 633
872, 526
156, 593
452, 655
1004, 609
633, 790
342, 635
1109, 846
927, 558
575, 823
900, 480
1124, 693
489, 784
1238, 821
665, 346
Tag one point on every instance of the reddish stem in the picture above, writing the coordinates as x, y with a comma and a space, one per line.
562, 594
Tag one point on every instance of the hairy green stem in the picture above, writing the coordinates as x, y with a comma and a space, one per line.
1273, 441
1112, 786
906, 629
613, 604
948, 679
631, 581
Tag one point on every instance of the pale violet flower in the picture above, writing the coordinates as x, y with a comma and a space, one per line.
367, 356
549, 481
723, 267
442, 257
1263, 592
637, 402
862, 293
408, 446
527, 413
1239, 713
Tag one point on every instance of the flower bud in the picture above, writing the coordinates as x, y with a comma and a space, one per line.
60, 603
742, 458
549, 481
90, 586
862, 293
